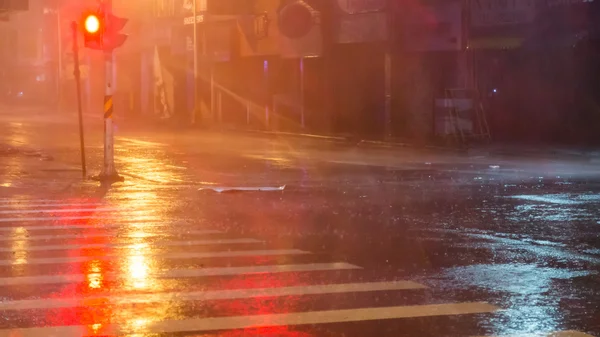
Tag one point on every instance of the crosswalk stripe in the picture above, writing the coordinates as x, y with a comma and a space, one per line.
59, 210
85, 217
229, 294
22, 237
20, 202
549, 334
16, 201
7, 205
50, 237
255, 321
85, 226
130, 245
169, 256
181, 273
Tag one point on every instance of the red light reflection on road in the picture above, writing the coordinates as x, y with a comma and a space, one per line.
262, 305
97, 314
94, 312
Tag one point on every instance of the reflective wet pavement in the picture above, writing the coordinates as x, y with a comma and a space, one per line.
362, 242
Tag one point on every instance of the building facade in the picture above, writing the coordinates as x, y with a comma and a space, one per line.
370, 69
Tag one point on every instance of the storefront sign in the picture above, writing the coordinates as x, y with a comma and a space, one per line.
190, 20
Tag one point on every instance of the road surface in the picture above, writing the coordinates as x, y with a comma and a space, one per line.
362, 241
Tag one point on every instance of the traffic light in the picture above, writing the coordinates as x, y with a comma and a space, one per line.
92, 24
102, 30
92, 31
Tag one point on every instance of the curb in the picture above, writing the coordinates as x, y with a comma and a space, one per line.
483, 151
349, 140
549, 154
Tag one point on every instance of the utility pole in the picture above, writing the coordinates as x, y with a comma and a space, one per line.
196, 84
77, 77
59, 72
302, 93
102, 32
388, 70
109, 172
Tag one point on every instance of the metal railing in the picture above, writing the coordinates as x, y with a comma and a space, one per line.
264, 112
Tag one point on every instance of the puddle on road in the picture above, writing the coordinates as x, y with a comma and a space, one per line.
534, 298
523, 279
558, 207
562, 199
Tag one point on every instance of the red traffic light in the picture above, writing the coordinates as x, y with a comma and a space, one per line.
101, 30
92, 24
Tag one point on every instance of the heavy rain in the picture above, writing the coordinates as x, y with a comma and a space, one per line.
299, 168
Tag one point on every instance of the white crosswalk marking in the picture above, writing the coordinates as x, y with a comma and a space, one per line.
27, 205
242, 322
86, 226
138, 218
19, 235
63, 218
212, 295
58, 210
134, 245
50, 237
169, 256
131, 245
182, 273
33, 201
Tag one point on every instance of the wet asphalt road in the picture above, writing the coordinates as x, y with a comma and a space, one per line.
363, 241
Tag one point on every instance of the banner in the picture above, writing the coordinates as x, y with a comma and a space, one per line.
163, 89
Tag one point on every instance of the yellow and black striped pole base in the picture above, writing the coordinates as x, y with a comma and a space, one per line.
108, 106
109, 174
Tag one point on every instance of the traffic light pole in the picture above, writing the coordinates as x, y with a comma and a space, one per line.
109, 173
77, 76
388, 75
196, 84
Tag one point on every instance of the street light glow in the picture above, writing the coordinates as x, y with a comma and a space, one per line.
92, 24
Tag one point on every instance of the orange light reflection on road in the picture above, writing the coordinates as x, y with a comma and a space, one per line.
138, 269
19, 246
133, 268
